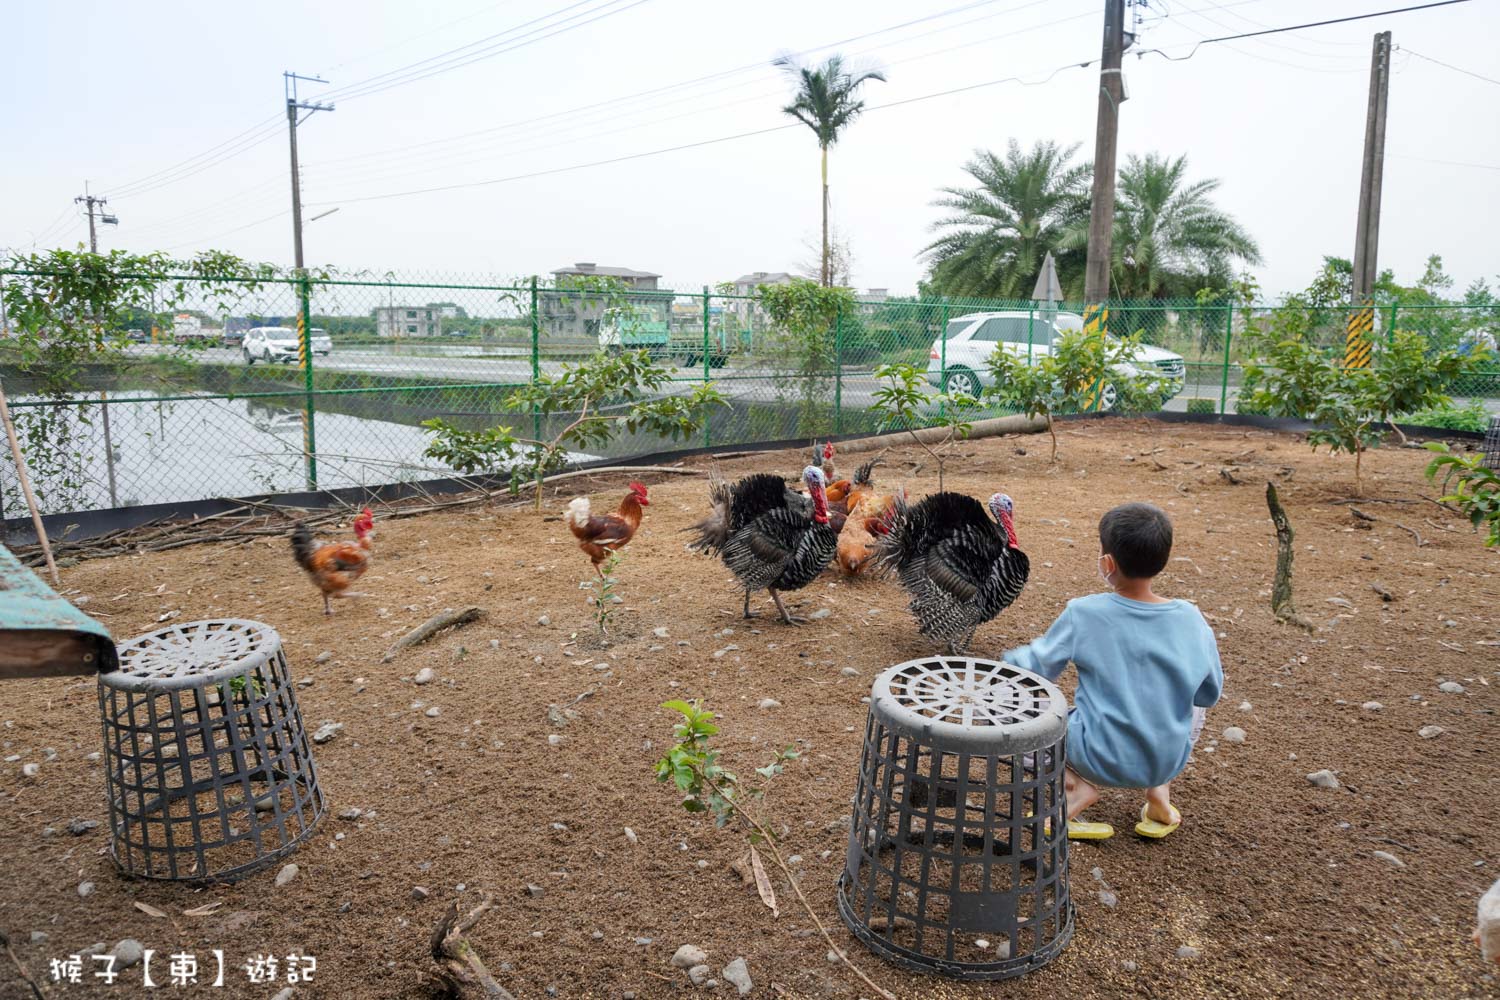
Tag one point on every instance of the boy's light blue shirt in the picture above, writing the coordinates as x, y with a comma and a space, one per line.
1142, 669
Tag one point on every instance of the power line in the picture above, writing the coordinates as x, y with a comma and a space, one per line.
261, 136
562, 27
1227, 8
487, 8
122, 189
377, 170
1456, 69
270, 128
1446, 163
258, 222
1202, 15
54, 225
1300, 27
409, 149
701, 143
251, 138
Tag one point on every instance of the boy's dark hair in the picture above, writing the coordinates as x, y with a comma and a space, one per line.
1139, 536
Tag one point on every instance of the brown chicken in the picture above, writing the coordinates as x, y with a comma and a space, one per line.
869, 517
336, 565
599, 535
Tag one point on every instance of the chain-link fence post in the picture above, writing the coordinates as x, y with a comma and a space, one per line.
536, 360
1390, 331
838, 370
309, 409
707, 363
1224, 376
943, 348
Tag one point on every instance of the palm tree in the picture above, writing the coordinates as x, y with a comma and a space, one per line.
1024, 204
826, 102
1170, 239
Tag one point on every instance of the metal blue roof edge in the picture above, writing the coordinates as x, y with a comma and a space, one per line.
28, 604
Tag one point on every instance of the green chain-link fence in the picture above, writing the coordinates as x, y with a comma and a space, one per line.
214, 398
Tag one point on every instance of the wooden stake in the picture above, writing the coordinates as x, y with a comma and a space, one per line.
25, 478
1281, 590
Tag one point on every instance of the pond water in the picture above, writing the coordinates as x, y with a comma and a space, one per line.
196, 448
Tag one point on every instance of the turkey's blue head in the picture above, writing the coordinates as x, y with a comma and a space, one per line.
1004, 510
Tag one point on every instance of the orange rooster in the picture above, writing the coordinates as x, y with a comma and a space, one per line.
869, 517
336, 565
599, 535
838, 489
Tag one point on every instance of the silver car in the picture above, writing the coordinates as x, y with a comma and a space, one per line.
959, 362
279, 343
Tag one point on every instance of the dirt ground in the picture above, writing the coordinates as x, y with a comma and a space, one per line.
1272, 880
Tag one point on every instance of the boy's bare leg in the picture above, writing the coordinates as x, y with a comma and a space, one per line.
1159, 805
1080, 793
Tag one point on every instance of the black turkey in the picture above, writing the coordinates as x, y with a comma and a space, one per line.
766, 536
961, 566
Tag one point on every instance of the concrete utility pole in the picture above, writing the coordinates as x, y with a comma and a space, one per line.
292, 107
90, 202
1102, 202
1367, 231
304, 296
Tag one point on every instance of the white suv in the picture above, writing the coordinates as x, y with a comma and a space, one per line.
970, 340
279, 343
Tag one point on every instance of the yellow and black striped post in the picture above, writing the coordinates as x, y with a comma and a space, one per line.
1095, 324
1358, 337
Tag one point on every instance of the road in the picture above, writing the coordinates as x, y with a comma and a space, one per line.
755, 383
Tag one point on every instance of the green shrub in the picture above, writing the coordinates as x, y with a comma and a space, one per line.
1203, 405
1474, 418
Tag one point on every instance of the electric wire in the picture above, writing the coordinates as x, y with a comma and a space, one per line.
356, 91
701, 143
1456, 69
1300, 27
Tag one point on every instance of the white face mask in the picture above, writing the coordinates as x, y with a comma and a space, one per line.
1106, 577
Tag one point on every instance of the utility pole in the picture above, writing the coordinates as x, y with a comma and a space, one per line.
1102, 199
1102, 202
292, 107
1360, 329
90, 202
304, 297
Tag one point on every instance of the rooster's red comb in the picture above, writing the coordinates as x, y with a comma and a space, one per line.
638, 488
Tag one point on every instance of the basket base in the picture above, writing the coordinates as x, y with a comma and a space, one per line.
967, 971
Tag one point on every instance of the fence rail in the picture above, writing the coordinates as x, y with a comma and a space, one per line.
202, 403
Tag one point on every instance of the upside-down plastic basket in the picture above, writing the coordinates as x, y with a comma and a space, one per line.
958, 853
208, 769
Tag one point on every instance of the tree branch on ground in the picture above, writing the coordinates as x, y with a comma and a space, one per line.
459, 965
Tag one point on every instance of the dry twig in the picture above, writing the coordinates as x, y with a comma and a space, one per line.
459, 964
36, 989
1375, 520
430, 628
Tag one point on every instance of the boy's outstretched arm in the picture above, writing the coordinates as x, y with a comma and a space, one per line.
1050, 654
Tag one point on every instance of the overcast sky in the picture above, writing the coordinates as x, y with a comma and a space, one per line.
121, 94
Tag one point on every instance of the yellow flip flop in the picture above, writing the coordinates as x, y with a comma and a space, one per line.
1154, 830
1082, 830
